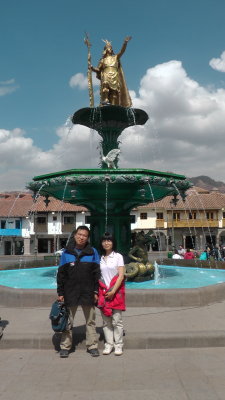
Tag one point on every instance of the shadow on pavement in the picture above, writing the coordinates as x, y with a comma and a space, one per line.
79, 336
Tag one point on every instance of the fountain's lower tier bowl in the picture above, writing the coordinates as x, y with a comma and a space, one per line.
125, 188
110, 195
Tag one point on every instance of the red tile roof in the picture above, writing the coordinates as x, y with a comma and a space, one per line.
20, 204
14, 204
197, 199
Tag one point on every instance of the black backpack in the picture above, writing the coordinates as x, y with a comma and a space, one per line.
59, 316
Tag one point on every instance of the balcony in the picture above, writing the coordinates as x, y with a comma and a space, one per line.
160, 223
67, 228
40, 228
10, 232
194, 223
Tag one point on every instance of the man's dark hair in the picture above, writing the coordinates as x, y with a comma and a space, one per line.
107, 236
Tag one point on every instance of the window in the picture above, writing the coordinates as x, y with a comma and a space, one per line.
87, 219
223, 214
209, 215
132, 219
143, 215
18, 224
54, 218
192, 215
3, 224
176, 216
159, 215
69, 220
41, 220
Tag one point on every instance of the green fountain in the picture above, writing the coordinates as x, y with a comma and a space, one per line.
109, 192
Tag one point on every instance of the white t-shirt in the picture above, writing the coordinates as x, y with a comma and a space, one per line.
109, 266
177, 256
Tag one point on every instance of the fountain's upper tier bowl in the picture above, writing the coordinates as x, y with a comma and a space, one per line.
117, 117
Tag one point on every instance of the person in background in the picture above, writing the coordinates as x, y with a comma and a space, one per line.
189, 255
222, 251
215, 254
181, 251
176, 255
77, 285
111, 295
204, 255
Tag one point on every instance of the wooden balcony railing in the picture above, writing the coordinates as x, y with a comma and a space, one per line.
194, 223
67, 228
160, 223
41, 228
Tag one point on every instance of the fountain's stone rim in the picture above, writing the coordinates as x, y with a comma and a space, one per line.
202, 296
119, 171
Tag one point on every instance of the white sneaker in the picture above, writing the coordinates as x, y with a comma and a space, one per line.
118, 350
108, 349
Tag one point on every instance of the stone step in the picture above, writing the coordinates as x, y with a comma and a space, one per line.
139, 340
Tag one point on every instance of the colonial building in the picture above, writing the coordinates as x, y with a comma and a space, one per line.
28, 227
198, 221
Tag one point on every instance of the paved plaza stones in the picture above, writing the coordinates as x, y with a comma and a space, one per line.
169, 374
175, 353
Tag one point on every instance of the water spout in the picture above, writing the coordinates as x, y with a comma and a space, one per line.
156, 273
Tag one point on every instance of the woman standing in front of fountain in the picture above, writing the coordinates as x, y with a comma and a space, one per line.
111, 295
113, 89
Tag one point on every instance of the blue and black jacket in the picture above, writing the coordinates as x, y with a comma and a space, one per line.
78, 275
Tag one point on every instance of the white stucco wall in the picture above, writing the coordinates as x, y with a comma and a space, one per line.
54, 227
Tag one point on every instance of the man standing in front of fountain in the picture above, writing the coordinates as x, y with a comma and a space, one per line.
77, 285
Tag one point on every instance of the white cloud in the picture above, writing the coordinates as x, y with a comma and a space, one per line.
218, 63
21, 160
80, 80
9, 82
186, 129
7, 87
184, 134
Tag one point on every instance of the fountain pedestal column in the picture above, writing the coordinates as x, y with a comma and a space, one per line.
118, 224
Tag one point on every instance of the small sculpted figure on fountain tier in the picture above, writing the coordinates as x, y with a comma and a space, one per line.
113, 88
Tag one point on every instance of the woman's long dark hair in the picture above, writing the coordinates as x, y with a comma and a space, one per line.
107, 236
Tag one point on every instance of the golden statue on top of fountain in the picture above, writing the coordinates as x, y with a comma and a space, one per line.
113, 88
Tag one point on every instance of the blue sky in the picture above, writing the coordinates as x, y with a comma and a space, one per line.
41, 44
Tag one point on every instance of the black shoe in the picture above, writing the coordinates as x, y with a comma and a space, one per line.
64, 353
93, 352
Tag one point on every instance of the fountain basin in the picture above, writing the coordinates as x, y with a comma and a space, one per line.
179, 297
170, 277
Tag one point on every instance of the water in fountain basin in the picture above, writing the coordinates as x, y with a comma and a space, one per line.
170, 277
